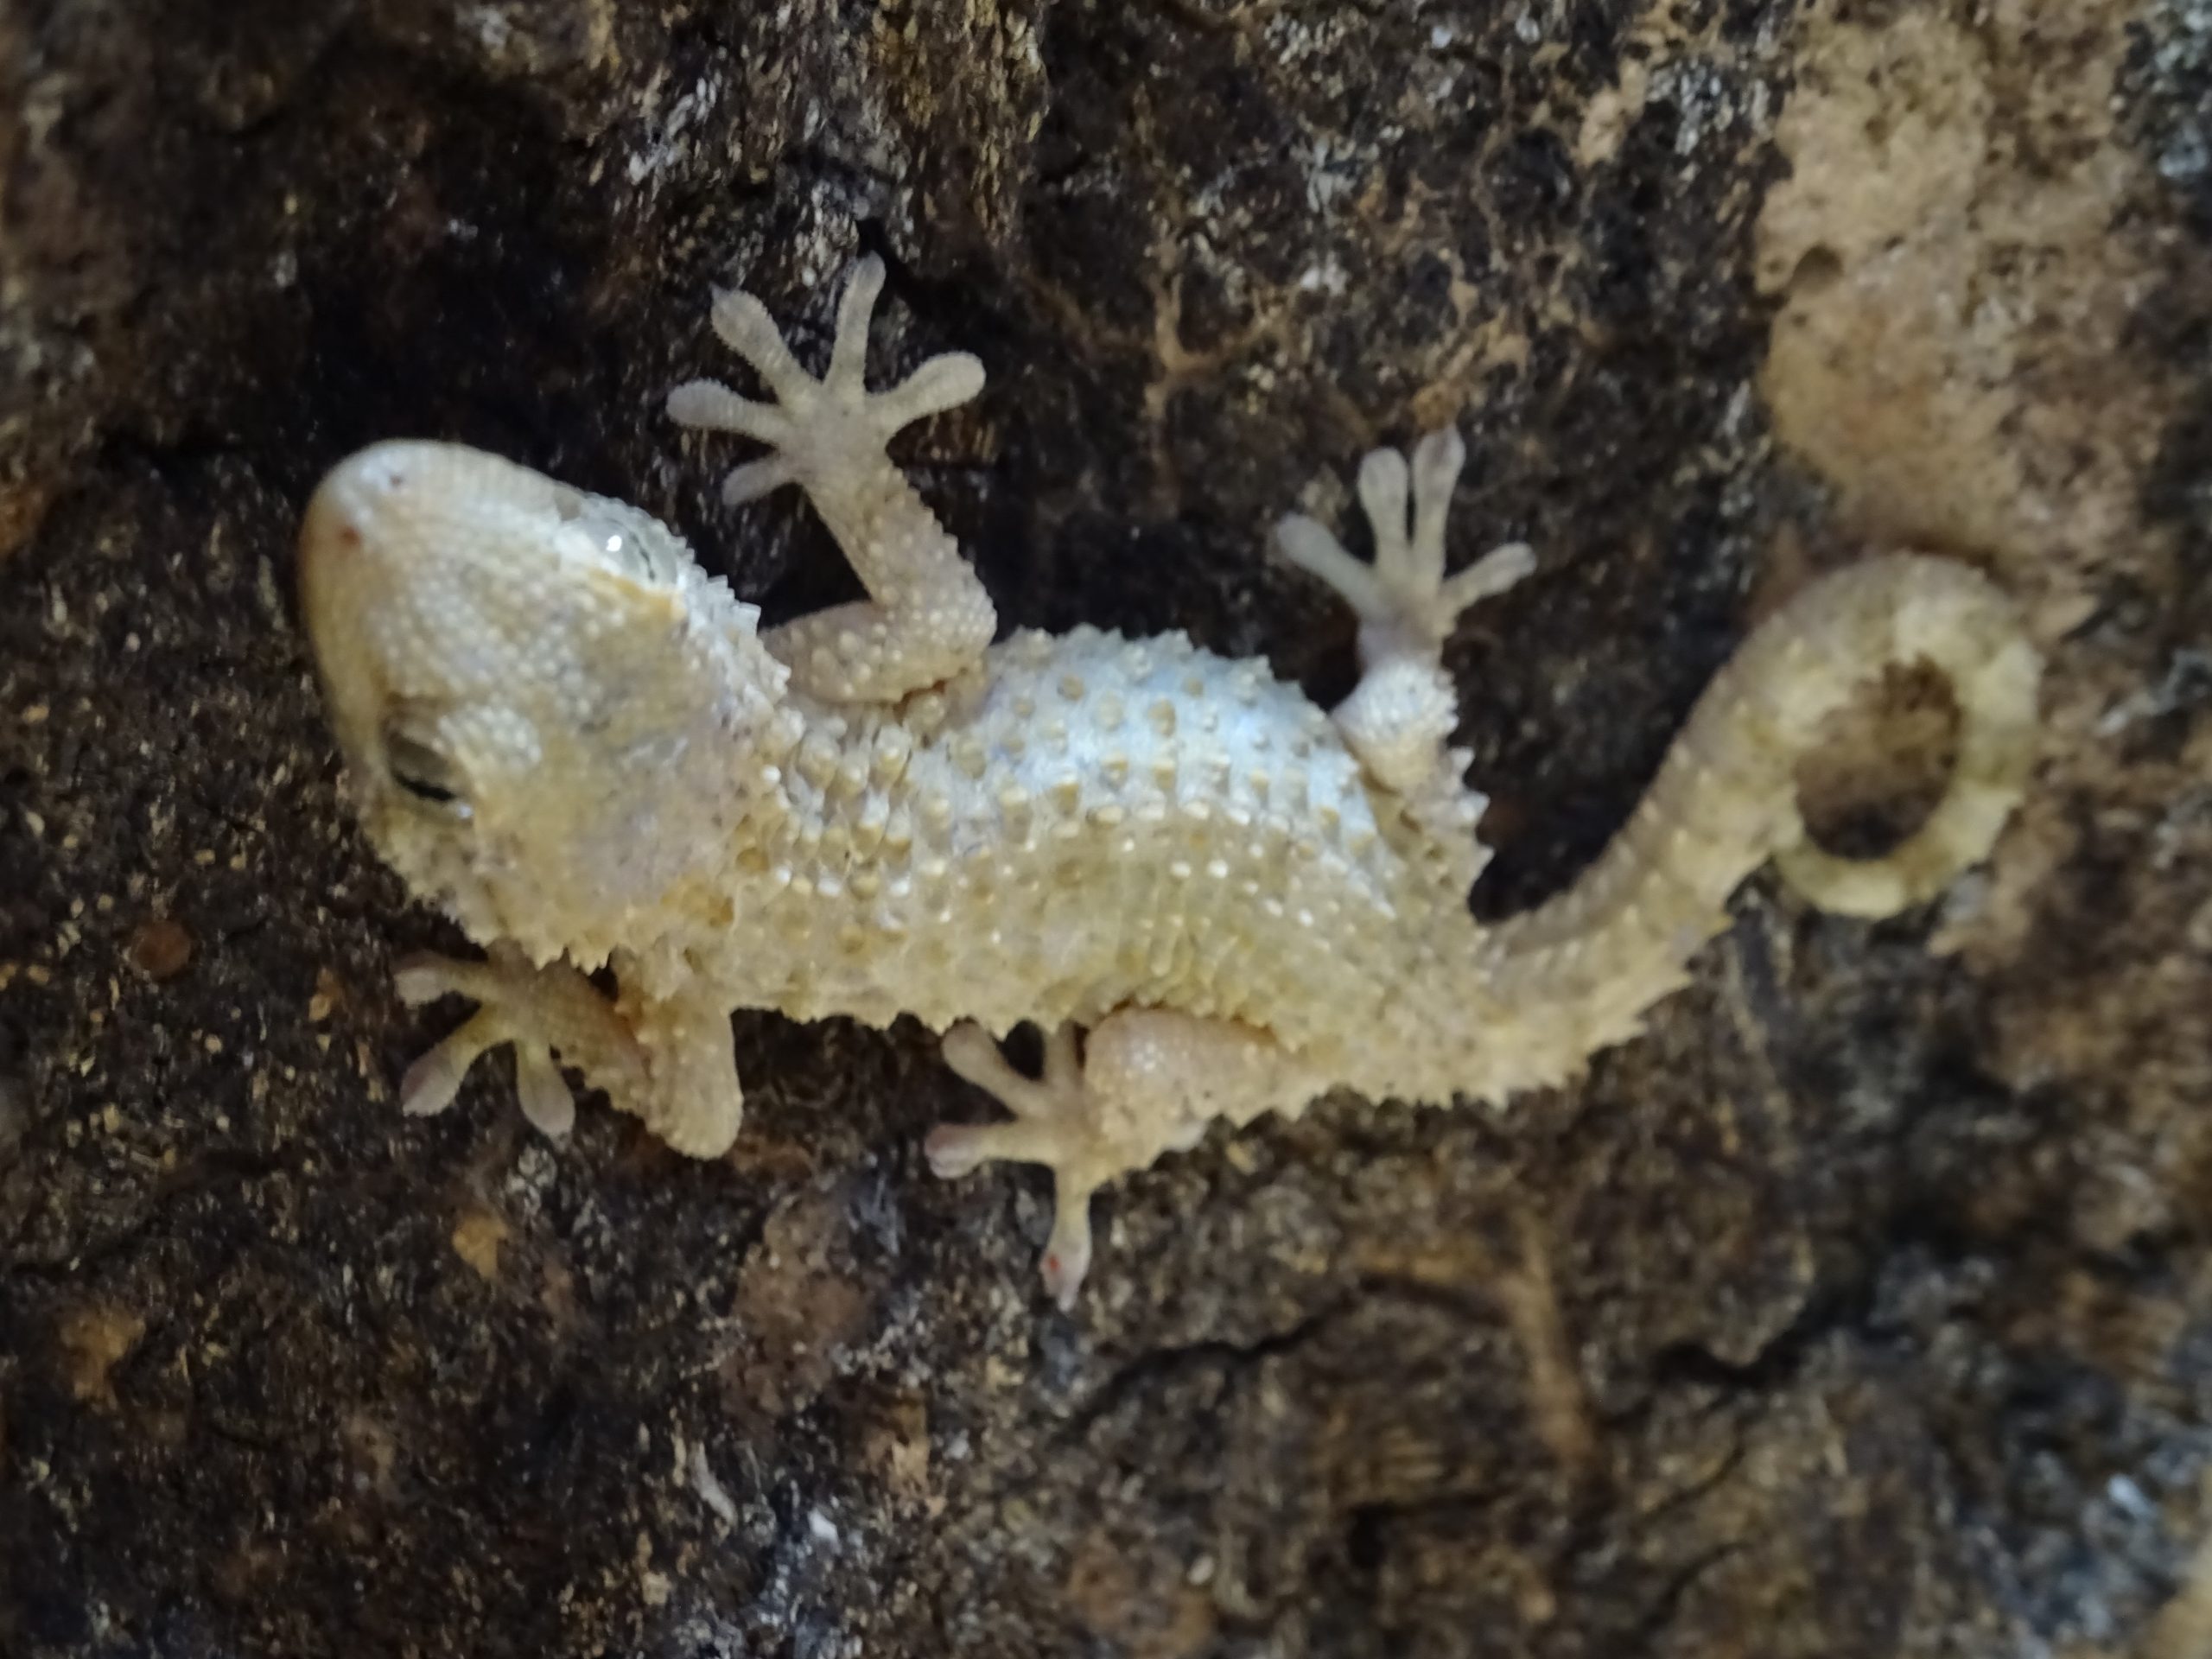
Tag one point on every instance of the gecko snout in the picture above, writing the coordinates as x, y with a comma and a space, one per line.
368, 499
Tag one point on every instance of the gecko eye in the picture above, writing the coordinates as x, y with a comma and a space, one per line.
622, 539
422, 772
629, 555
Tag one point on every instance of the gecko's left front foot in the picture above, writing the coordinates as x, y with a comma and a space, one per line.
668, 1061
539, 1010
1399, 717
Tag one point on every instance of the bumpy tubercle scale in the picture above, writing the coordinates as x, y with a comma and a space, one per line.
561, 730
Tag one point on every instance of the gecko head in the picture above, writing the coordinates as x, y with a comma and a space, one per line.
551, 717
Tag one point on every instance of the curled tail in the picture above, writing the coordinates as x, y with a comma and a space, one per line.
1580, 969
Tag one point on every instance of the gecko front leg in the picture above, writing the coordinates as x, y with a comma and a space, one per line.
1400, 713
1149, 1080
668, 1060
926, 617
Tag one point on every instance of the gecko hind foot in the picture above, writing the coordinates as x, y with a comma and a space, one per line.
815, 428
1053, 1126
1406, 605
1148, 1081
1400, 716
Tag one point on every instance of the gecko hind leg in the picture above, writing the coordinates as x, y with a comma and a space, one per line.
926, 616
668, 1062
1149, 1081
1399, 715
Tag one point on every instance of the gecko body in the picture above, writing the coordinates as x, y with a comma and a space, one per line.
562, 731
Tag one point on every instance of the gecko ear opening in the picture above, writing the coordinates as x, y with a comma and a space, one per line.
423, 770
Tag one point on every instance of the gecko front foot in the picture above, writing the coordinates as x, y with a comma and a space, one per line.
1402, 711
539, 1010
926, 617
666, 1059
817, 429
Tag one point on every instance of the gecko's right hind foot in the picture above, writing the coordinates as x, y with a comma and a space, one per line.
815, 428
1399, 717
1406, 605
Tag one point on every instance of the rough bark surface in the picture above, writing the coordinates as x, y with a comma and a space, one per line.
1865, 1308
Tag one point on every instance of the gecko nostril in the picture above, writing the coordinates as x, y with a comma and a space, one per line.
380, 473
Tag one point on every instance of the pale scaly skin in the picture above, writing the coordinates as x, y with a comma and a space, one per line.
559, 728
